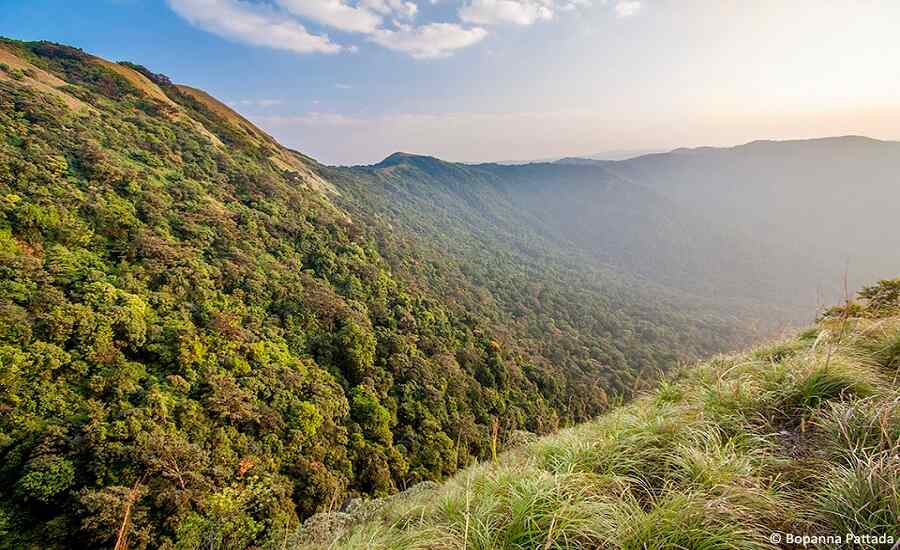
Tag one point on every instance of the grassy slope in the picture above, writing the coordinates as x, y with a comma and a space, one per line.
797, 437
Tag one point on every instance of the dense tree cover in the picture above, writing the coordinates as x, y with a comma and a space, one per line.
199, 346
597, 221
553, 298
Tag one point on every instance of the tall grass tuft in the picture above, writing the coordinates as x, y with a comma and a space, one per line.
862, 428
684, 520
862, 496
835, 377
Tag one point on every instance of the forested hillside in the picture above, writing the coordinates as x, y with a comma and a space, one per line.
205, 337
552, 295
588, 220
768, 230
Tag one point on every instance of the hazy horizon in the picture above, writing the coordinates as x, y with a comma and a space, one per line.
624, 154
351, 81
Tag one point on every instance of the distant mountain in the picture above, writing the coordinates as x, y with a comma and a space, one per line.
598, 216
617, 154
777, 222
829, 200
772, 225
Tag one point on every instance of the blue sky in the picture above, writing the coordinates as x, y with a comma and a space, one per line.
350, 81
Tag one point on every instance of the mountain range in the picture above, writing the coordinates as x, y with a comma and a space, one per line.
214, 336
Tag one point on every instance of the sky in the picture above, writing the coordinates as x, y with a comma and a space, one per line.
352, 81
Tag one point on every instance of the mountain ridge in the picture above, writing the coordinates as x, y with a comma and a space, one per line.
637, 154
810, 259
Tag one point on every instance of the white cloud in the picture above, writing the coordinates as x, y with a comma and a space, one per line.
334, 13
252, 23
401, 8
266, 25
364, 17
519, 12
428, 41
627, 8
341, 86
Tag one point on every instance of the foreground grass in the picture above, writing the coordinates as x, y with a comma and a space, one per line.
797, 437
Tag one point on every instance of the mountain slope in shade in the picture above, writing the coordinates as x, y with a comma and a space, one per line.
824, 200
776, 224
593, 212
